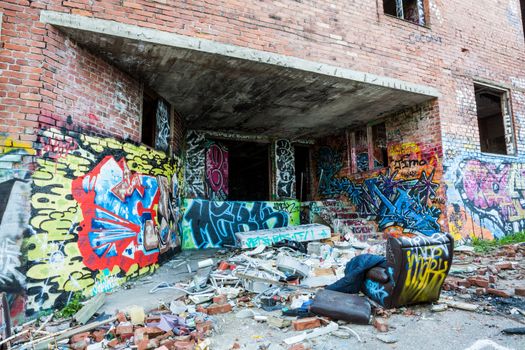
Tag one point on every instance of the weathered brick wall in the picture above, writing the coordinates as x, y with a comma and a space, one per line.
47, 80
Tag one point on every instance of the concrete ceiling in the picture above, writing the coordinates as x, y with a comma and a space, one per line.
219, 92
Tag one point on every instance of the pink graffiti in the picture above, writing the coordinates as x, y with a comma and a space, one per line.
217, 169
487, 187
55, 149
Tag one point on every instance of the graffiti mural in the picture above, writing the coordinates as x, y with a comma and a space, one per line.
208, 224
162, 139
102, 212
284, 169
405, 198
195, 164
492, 193
217, 171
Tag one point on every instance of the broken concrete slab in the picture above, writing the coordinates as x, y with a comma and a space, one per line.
300, 233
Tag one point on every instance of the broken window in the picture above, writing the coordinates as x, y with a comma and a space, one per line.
369, 148
496, 132
410, 10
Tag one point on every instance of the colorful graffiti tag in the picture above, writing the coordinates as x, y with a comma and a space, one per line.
388, 197
162, 136
284, 169
208, 224
102, 212
493, 193
217, 171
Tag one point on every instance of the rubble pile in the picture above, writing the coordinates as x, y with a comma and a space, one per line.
484, 278
280, 286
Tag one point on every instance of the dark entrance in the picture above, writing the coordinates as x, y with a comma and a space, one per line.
302, 173
249, 171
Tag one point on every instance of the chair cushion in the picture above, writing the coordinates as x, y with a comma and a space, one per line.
377, 274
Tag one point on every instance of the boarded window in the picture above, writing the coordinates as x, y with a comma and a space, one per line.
410, 10
496, 132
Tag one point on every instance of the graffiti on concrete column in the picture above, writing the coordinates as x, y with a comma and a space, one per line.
494, 193
15, 192
195, 164
284, 169
102, 212
162, 138
217, 172
208, 224
393, 199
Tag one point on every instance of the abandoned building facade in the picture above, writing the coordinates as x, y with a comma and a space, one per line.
132, 129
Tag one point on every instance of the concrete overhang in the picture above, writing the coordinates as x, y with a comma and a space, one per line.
216, 86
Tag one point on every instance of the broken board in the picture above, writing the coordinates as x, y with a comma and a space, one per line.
301, 233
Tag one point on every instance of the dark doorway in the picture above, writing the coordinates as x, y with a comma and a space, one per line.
302, 173
249, 171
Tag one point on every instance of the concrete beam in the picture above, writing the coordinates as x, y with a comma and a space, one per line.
154, 36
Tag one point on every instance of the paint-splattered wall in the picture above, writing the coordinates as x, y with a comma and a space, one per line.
211, 224
406, 196
102, 211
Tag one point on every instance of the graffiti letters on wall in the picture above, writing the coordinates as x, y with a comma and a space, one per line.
493, 195
162, 140
102, 212
208, 224
195, 164
217, 171
403, 198
284, 169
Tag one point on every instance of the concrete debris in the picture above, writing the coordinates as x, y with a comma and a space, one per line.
285, 281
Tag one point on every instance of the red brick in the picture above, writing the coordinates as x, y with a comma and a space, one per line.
220, 299
519, 292
306, 323
125, 330
184, 345
498, 292
504, 265
214, 309
479, 281
121, 317
381, 324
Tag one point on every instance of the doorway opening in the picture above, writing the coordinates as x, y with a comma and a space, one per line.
249, 171
302, 173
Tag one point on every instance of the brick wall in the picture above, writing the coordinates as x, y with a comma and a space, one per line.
47, 80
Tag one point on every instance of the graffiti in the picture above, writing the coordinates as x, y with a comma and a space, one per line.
269, 237
100, 214
162, 139
195, 164
387, 197
285, 169
376, 291
217, 172
10, 262
424, 38
495, 193
208, 224
15, 191
427, 268
119, 226
55, 148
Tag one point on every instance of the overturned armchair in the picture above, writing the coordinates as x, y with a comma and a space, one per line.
412, 272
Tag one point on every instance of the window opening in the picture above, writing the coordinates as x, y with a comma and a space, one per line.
494, 120
410, 10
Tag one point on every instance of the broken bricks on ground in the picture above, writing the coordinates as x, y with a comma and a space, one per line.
310, 288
